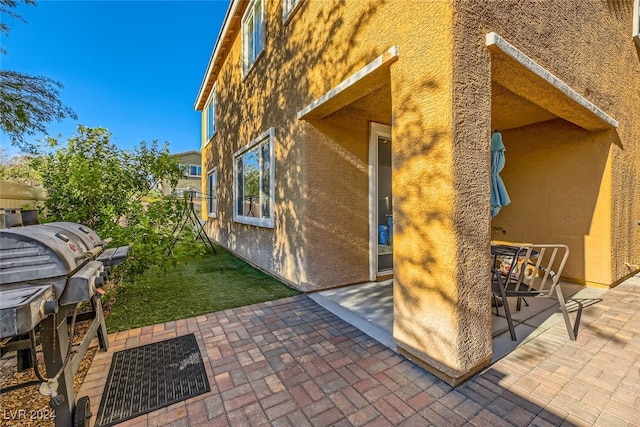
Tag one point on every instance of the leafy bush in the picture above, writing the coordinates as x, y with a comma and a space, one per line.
117, 193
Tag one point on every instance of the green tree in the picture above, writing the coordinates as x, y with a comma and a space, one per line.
93, 182
18, 169
27, 103
251, 182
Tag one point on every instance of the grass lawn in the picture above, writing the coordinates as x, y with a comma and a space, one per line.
202, 285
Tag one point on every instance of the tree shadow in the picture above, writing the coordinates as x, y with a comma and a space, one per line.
268, 95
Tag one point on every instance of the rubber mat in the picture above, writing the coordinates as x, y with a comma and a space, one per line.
149, 377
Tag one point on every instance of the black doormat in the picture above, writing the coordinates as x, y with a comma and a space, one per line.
150, 377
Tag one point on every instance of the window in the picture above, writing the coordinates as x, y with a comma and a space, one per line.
212, 193
252, 34
210, 115
253, 179
288, 7
193, 170
186, 192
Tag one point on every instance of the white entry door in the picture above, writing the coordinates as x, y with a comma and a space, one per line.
380, 201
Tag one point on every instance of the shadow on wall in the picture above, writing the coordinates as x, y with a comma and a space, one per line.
269, 96
338, 215
337, 155
554, 174
424, 214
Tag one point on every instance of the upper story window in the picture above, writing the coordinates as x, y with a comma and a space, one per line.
193, 170
288, 7
210, 115
212, 193
252, 33
253, 179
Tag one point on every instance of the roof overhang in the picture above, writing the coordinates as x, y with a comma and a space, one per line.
221, 49
186, 153
372, 76
521, 75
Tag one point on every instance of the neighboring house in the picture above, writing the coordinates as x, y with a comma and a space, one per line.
324, 120
191, 184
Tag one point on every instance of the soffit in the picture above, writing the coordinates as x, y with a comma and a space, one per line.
510, 111
519, 74
377, 103
228, 32
371, 77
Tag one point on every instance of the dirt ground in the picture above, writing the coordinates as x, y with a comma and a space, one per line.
26, 407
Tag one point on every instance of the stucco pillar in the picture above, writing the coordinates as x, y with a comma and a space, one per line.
442, 317
597, 249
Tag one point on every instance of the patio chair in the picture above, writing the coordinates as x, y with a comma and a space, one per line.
530, 271
498, 289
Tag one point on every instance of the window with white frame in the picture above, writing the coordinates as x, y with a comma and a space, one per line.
193, 170
253, 179
288, 7
210, 115
212, 193
186, 192
252, 33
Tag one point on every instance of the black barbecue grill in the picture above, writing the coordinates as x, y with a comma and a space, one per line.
46, 272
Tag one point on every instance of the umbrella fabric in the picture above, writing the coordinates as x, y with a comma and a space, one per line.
499, 196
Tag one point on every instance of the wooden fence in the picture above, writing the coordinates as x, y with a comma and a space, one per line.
24, 196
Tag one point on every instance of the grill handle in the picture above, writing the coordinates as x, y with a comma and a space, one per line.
90, 254
62, 237
105, 242
95, 252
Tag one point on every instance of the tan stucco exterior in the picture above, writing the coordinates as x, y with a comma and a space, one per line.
574, 186
427, 70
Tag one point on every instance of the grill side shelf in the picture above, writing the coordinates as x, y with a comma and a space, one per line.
20, 308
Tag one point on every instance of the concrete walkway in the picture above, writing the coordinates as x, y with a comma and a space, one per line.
293, 363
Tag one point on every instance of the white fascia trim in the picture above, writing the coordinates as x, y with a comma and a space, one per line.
389, 55
636, 22
231, 11
494, 40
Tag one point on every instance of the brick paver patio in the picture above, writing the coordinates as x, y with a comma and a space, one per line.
292, 363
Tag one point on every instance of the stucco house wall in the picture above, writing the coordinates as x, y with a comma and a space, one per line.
284, 80
568, 185
572, 177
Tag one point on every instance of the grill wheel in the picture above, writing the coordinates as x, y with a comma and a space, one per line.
82, 413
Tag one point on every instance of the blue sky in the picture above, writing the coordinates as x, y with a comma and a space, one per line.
133, 67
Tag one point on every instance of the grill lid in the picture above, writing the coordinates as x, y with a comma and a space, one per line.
36, 252
87, 236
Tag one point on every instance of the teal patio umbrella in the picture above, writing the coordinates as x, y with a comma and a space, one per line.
499, 196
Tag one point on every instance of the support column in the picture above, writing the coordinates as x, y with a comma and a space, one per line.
441, 173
